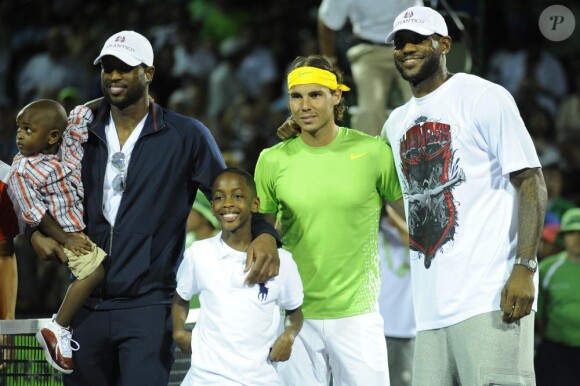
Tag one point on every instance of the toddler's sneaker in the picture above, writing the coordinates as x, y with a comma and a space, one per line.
58, 346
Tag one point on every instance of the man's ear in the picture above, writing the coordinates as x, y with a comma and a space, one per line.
54, 136
445, 43
336, 96
149, 72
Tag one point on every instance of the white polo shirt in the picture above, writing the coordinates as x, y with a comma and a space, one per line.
237, 325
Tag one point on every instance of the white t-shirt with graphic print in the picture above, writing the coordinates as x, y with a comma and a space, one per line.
454, 151
237, 324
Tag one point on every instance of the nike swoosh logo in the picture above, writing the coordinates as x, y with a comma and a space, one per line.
355, 156
304, 73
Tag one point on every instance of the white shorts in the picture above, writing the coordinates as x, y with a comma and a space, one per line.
352, 349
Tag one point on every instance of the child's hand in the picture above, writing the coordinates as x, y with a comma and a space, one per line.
282, 348
78, 244
183, 340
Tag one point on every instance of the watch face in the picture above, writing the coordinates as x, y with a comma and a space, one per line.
533, 264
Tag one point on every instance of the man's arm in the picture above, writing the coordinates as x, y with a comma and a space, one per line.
8, 280
45, 247
262, 259
399, 223
518, 293
74, 242
326, 42
399, 207
179, 311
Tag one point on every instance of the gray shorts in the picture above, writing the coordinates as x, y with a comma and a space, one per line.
482, 350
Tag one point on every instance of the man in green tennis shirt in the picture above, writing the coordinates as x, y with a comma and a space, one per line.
326, 187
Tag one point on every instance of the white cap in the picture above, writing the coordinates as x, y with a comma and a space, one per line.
422, 20
128, 46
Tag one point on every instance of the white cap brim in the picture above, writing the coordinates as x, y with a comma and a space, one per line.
124, 57
419, 30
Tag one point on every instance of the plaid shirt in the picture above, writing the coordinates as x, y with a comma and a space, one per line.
44, 182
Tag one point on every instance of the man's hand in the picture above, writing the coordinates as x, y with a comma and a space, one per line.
183, 340
47, 248
518, 294
78, 244
288, 130
263, 259
282, 348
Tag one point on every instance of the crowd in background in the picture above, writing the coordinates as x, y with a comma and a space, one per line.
224, 62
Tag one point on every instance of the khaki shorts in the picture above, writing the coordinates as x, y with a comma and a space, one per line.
83, 265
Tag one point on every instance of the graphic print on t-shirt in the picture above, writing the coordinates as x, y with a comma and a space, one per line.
431, 172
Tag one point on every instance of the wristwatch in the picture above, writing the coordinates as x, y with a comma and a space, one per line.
530, 264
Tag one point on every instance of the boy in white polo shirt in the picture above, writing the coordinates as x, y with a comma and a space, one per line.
234, 341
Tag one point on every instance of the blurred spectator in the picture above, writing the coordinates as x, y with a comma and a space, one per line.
551, 241
568, 124
188, 100
7, 86
201, 223
68, 97
558, 316
247, 131
164, 82
532, 74
555, 183
224, 87
371, 59
549, 244
220, 19
542, 129
194, 57
258, 72
48, 72
568, 117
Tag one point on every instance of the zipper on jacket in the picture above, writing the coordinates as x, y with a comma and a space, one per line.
111, 243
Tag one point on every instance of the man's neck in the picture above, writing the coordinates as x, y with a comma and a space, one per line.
321, 137
430, 84
127, 119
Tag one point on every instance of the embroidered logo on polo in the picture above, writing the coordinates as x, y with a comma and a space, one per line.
431, 172
263, 292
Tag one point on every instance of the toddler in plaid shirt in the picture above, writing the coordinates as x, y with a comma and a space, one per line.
46, 180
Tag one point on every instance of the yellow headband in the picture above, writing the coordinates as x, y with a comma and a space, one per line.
308, 75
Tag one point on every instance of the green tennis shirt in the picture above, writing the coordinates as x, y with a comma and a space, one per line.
328, 200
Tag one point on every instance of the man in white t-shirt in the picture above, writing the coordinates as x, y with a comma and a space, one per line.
475, 200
